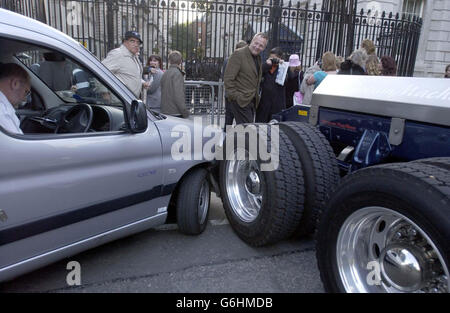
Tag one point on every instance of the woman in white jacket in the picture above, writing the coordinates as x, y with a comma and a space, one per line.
305, 89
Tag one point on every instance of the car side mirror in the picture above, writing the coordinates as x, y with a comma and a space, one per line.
138, 117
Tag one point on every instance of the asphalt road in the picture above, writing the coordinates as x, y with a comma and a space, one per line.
163, 260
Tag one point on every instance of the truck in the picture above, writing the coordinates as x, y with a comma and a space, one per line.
365, 169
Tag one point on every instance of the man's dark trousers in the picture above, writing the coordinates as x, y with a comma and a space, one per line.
243, 114
228, 114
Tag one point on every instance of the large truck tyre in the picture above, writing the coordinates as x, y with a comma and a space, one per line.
387, 229
442, 162
263, 206
320, 171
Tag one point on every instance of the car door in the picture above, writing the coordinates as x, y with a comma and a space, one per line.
63, 193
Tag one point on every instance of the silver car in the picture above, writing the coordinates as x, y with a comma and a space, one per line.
93, 164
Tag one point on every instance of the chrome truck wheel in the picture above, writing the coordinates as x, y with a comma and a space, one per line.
262, 205
387, 229
400, 255
244, 188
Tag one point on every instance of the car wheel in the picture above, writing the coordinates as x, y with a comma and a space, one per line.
193, 202
320, 171
263, 206
387, 229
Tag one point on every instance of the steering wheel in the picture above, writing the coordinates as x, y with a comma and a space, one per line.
77, 119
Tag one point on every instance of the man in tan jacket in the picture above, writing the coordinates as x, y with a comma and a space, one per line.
125, 64
242, 77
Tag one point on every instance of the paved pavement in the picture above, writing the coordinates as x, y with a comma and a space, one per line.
163, 260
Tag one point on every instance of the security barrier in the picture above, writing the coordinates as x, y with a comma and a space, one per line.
205, 98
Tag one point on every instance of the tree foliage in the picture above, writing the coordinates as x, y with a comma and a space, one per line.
186, 39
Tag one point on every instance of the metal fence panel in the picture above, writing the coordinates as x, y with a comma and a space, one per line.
205, 98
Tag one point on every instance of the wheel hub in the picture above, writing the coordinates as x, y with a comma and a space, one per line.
245, 187
253, 183
404, 267
203, 203
406, 259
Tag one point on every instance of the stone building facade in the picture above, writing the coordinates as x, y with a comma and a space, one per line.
434, 46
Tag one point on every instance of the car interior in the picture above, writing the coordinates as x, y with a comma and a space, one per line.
65, 96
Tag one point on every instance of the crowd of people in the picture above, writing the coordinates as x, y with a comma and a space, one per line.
254, 89
270, 89
162, 91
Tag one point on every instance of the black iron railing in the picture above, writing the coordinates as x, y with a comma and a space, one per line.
206, 31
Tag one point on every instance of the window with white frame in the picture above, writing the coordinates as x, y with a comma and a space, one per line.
413, 7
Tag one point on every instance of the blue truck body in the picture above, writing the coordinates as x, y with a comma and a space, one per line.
362, 139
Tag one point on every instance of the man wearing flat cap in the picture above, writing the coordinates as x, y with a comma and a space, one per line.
125, 64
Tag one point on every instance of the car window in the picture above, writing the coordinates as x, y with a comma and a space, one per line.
65, 96
71, 81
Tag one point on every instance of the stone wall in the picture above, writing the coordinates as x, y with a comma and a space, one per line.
434, 46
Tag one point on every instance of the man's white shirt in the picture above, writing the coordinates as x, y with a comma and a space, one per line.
8, 118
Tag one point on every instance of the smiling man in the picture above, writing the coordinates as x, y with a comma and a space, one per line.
242, 77
125, 64
14, 89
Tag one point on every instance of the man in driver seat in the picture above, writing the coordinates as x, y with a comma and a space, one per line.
14, 88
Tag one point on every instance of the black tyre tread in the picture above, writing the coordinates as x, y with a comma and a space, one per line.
325, 172
427, 178
429, 174
285, 201
442, 162
187, 201
290, 191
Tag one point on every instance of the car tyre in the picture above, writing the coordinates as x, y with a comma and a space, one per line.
193, 202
